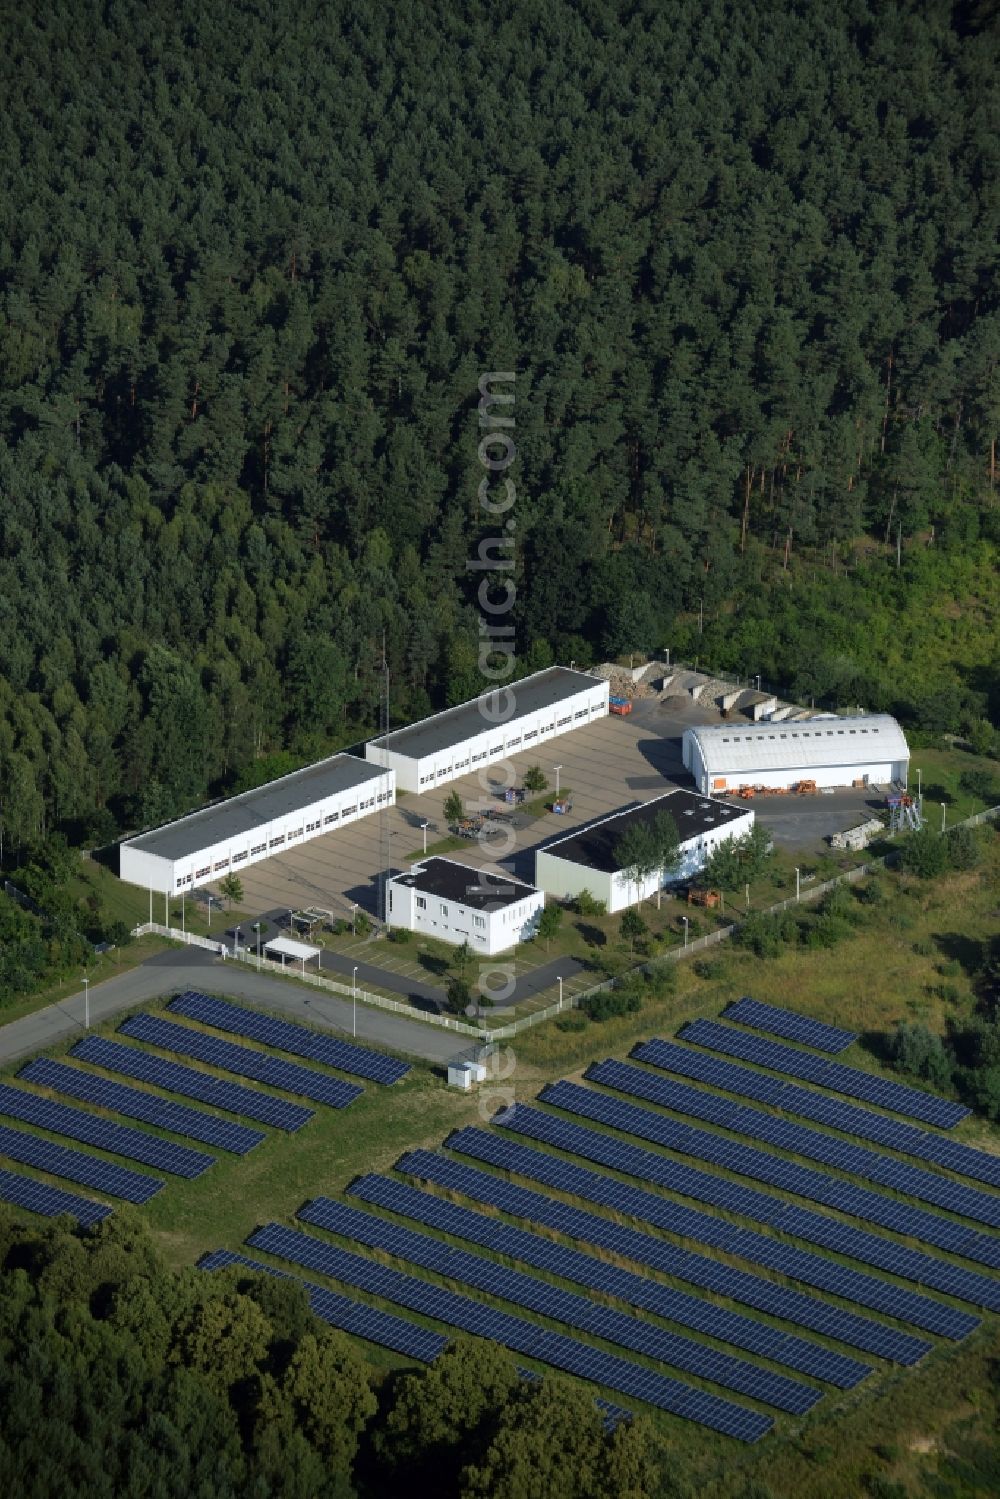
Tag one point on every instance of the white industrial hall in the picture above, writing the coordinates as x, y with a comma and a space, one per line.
256, 825
588, 859
458, 903
508, 720
869, 750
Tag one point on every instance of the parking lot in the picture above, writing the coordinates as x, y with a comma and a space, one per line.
605, 766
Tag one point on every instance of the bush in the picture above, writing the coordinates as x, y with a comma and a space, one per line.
962, 848
610, 1003
825, 931
870, 893
574, 1022
765, 935
710, 968
362, 925
586, 904
399, 934
981, 785
925, 854
915, 1050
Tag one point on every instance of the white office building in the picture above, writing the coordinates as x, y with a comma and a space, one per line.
588, 859
231, 835
457, 903
509, 720
870, 749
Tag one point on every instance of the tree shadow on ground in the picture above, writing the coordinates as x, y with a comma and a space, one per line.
968, 951
433, 963
592, 935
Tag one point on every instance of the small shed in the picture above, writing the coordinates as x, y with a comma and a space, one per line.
464, 1074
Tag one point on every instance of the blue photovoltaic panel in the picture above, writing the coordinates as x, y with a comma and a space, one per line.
786, 1023
527, 1338
384, 1328
189, 1082
731, 1197
644, 1249
530, 1294
850, 1118
284, 1035
133, 1103
77, 1166
116, 1139
798, 1264
51, 1202
611, 1280
832, 1075
228, 1057
785, 1134
760, 1249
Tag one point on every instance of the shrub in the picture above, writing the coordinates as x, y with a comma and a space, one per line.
925, 853
962, 848
609, 1003
362, 925
825, 931
765, 935
588, 905
981, 785
920, 1053
573, 1022
870, 893
399, 934
710, 968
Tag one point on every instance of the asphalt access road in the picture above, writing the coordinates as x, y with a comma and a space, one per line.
171, 971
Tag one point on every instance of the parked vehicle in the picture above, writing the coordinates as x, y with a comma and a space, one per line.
619, 706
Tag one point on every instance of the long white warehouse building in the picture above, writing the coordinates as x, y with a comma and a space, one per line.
256, 825
587, 859
829, 751
506, 721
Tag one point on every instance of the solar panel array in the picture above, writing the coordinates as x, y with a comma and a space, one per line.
531, 1294
731, 1197
760, 1249
797, 1307
191, 1083
778, 1022
283, 1035
515, 1333
51, 1202
117, 1139
784, 1134
77, 1166
384, 1328
831, 1075
611, 1280
849, 1118
242, 1060
133, 1103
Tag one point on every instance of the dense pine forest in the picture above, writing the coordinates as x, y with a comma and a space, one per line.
255, 259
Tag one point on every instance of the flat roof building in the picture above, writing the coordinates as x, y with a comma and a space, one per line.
459, 903
870, 749
233, 834
588, 860
507, 720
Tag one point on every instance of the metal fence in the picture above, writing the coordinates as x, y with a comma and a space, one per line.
487, 1036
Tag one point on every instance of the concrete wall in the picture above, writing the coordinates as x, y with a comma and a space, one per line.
487, 932
140, 866
519, 736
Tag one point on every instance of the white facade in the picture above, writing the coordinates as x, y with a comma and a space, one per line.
509, 720
457, 903
829, 751
585, 861
230, 836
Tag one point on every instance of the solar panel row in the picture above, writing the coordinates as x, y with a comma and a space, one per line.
133, 1103
832, 1075
850, 1118
51, 1202
530, 1294
745, 1160
242, 1060
797, 1307
117, 1139
77, 1166
384, 1328
611, 1280
190, 1083
761, 1017
520, 1336
283, 1035
798, 1139
798, 1264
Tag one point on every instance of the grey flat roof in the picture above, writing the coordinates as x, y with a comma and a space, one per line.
594, 846
544, 689
251, 809
464, 884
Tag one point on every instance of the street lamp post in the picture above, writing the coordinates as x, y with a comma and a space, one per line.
256, 927
685, 921
557, 769
757, 680
796, 882
86, 1003
919, 789
560, 991
944, 814
423, 829
354, 919
354, 998
748, 897
236, 942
